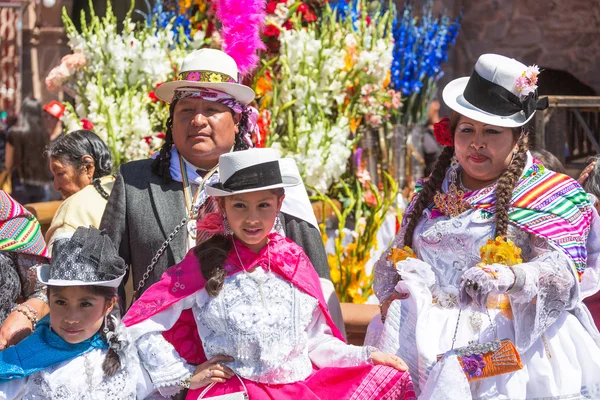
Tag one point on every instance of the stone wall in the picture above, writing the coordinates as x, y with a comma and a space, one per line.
557, 34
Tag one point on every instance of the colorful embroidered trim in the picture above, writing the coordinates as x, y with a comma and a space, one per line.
206, 76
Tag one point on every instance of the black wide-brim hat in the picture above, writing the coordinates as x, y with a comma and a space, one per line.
87, 258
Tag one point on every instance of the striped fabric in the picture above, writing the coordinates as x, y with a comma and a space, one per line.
548, 205
209, 206
19, 230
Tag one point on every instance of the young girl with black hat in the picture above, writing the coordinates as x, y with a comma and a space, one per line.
81, 349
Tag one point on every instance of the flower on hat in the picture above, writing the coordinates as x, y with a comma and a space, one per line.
87, 124
527, 82
442, 133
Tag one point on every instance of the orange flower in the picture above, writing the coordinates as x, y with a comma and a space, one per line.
354, 124
397, 255
388, 79
263, 85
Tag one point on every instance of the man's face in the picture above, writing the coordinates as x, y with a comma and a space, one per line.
203, 130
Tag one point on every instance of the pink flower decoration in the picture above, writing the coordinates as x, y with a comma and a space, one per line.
527, 82
193, 76
211, 223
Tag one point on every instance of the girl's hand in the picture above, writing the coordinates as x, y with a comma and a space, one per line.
15, 328
211, 371
385, 305
390, 360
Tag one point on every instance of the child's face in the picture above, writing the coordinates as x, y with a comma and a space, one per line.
251, 216
76, 314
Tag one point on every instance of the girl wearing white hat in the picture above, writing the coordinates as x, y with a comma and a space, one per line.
259, 313
487, 185
152, 211
80, 350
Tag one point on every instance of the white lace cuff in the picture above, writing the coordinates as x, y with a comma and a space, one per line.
164, 365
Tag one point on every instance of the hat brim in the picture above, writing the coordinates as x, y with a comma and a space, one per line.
242, 93
453, 97
43, 275
287, 182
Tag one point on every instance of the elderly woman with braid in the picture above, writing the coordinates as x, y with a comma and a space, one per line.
481, 291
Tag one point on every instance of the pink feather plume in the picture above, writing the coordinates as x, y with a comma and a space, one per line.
242, 24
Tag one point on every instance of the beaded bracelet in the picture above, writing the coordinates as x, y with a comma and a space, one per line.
185, 383
32, 310
31, 318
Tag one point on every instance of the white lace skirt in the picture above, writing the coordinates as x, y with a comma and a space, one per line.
562, 364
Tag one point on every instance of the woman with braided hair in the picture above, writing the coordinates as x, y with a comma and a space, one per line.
488, 268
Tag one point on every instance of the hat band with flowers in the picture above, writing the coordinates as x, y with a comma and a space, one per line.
206, 77
495, 99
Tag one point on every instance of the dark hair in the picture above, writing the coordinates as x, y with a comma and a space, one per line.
112, 362
161, 164
71, 148
29, 139
504, 188
549, 160
592, 183
212, 254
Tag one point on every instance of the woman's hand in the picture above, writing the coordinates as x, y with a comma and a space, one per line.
586, 173
385, 305
390, 360
15, 328
211, 371
478, 283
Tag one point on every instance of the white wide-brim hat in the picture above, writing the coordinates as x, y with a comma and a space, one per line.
491, 95
253, 170
211, 69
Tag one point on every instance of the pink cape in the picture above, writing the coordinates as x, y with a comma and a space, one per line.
290, 262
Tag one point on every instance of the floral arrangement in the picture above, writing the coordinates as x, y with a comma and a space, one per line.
500, 251
421, 45
112, 75
361, 213
313, 93
527, 82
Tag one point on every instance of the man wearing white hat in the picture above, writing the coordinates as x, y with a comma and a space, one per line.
155, 202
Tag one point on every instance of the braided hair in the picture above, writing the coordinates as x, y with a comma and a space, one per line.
161, 165
504, 188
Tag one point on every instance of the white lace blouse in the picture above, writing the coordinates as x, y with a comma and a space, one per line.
273, 331
81, 378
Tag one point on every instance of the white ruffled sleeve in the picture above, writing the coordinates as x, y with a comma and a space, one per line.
160, 359
550, 287
325, 350
12, 390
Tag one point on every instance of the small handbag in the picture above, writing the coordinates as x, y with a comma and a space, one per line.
229, 396
484, 360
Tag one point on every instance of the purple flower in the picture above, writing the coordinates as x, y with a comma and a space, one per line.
193, 76
358, 157
473, 365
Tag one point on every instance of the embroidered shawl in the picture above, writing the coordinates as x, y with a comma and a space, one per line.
544, 204
288, 260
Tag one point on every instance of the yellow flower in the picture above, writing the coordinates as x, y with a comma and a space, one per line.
397, 255
500, 251
354, 123
388, 79
214, 78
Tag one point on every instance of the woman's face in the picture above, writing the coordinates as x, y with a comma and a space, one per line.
203, 130
76, 314
484, 151
251, 216
69, 180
